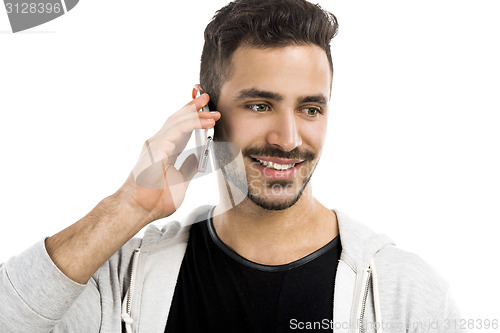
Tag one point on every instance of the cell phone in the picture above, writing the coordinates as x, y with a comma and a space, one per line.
203, 137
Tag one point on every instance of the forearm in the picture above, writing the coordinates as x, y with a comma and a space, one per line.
79, 250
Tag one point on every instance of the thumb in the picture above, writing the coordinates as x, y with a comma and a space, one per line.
190, 167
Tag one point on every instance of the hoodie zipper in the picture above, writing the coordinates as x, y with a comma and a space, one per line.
132, 275
363, 304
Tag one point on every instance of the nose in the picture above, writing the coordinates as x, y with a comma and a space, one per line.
284, 132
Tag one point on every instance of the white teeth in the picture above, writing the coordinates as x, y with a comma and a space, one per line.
276, 166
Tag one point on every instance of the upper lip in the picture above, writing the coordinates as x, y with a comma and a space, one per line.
277, 160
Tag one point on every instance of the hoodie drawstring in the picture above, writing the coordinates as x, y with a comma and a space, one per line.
126, 318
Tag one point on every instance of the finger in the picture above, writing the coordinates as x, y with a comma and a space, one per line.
209, 115
183, 125
173, 138
170, 143
189, 167
179, 118
190, 108
195, 120
201, 101
196, 104
190, 118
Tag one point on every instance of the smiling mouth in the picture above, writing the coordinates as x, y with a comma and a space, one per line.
274, 165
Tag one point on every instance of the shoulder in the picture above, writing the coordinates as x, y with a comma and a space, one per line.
412, 290
173, 233
401, 270
410, 285
408, 271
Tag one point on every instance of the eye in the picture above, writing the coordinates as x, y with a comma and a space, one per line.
312, 112
258, 107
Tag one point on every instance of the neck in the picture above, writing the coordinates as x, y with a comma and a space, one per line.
276, 237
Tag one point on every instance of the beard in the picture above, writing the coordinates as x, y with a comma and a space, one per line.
230, 160
277, 185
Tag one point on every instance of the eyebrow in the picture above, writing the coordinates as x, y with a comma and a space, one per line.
319, 99
256, 93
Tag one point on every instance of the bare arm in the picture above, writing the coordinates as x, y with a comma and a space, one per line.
154, 189
79, 250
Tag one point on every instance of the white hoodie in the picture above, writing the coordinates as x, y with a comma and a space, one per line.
378, 287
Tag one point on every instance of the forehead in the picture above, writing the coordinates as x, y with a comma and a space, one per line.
290, 70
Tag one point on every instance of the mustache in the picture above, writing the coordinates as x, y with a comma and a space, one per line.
294, 154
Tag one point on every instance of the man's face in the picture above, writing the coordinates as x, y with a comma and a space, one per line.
274, 109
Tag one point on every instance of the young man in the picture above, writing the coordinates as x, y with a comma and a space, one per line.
269, 257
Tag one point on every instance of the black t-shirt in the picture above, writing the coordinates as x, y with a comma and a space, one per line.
219, 291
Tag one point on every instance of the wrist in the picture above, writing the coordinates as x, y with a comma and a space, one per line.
127, 208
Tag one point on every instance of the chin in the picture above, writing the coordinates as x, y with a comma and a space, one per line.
273, 204
272, 201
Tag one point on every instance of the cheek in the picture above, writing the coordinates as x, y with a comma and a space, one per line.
242, 130
314, 134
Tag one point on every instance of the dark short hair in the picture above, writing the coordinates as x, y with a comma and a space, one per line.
263, 24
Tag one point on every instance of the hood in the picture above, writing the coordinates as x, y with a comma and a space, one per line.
356, 273
357, 281
359, 242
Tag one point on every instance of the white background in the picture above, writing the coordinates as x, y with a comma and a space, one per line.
413, 140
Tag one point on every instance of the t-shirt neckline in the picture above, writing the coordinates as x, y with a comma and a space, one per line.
261, 267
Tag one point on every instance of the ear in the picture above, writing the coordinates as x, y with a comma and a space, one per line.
197, 88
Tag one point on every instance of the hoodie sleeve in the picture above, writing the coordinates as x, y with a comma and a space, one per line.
35, 296
448, 318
